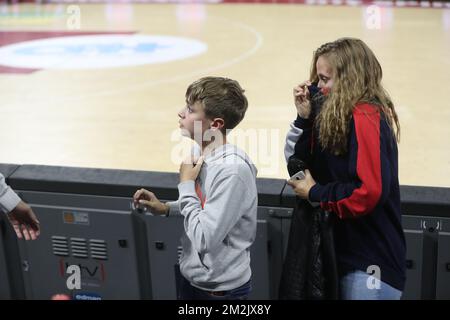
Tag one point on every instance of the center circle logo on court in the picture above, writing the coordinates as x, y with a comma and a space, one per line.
99, 51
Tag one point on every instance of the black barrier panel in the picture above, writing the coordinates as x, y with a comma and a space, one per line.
7, 169
425, 201
426, 212
103, 182
269, 191
121, 183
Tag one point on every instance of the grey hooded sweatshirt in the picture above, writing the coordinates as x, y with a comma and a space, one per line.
219, 220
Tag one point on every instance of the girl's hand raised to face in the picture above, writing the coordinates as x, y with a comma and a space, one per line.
301, 99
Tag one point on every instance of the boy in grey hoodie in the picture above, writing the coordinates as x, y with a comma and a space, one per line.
19, 214
217, 195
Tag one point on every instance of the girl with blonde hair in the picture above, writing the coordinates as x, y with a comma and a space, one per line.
347, 134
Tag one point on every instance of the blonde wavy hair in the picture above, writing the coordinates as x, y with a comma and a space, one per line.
357, 78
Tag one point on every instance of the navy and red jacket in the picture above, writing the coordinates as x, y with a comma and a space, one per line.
361, 187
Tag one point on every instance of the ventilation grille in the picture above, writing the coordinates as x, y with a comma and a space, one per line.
60, 246
80, 248
98, 249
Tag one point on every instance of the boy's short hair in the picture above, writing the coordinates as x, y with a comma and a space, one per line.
221, 98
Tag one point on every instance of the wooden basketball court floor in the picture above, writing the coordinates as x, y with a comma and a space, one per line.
125, 117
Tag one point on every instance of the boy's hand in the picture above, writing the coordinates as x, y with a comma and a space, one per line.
302, 187
147, 198
189, 170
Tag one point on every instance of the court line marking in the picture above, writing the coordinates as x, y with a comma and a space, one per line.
258, 43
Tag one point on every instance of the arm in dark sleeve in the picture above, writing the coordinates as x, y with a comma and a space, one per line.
369, 170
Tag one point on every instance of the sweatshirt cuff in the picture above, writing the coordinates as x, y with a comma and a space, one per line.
315, 193
302, 123
9, 200
186, 187
174, 208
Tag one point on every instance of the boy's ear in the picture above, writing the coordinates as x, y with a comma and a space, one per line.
217, 123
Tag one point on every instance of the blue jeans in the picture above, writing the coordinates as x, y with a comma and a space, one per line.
186, 291
354, 286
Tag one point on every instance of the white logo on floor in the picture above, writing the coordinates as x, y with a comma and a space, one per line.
98, 51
